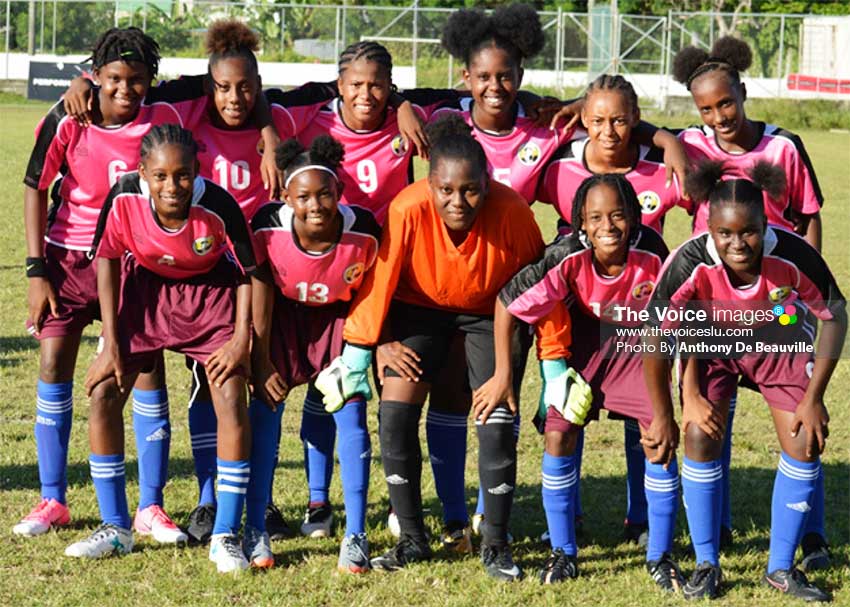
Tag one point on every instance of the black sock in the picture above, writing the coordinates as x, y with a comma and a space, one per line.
402, 458
497, 474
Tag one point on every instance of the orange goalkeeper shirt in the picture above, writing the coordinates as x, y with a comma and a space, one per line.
419, 264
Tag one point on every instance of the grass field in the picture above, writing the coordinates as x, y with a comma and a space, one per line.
35, 572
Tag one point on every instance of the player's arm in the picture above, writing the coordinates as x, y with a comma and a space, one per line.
813, 233
267, 381
675, 159
41, 298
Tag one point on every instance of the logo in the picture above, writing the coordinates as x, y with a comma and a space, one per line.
203, 245
500, 490
529, 154
261, 147
160, 434
649, 201
799, 507
779, 294
785, 315
642, 290
395, 479
353, 272
366, 454
398, 146
166, 260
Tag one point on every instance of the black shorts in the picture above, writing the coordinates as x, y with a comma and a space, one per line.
430, 332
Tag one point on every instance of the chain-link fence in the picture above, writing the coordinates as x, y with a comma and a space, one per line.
578, 46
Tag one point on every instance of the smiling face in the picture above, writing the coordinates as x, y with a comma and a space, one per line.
605, 223
493, 77
236, 85
313, 196
609, 118
458, 191
169, 170
123, 86
738, 234
720, 104
365, 87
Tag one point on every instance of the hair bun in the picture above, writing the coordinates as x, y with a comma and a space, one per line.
286, 152
230, 35
769, 178
686, 62
327, 150
733, 51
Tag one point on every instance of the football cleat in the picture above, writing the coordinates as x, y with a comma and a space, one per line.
106, 540
478, 523
354, 554
457, 538
499, 563
704, 583
227, 554
155, 522
257, 548
559, 567
276, 525
815, 553
318, 521
793, 582
406, 551
666, 573
48, 513
201, 521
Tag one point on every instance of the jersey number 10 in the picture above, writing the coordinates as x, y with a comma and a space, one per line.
240, 174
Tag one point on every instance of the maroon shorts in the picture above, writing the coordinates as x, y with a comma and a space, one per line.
305, 339
781, 377
74, 279
615, 375
193, 316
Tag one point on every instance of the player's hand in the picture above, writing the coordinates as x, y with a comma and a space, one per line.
40, 297
676, 162
227, 359
491, 394
77, 101
550, 112
268, 382
412, 129
107, 364
698, 410
812, 416
400, 358
663, 437
272, 177
345, 377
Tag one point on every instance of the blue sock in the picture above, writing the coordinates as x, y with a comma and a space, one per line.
579, 455
725, 463
479, 506
446, 435
355, 458
110, 485
318, 433
559, 482
202, 428
701, 487
232, 485
264, 433
793, 490
636, 497
53, 414
815, 522
662, 496
153, 440
276, 457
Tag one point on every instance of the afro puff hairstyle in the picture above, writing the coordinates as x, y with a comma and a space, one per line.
514, 28
729, 54
706, 182
231, 38
325, 151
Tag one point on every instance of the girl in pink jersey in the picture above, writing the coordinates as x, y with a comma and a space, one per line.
179, 290
728, 135
605, 271
62, 283
744, 272
313, 254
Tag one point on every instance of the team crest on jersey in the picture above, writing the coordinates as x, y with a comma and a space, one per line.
779, 294
353, 272
166, 260
529, 154
203, 245
643, 290
649, 201
399, 146
261, 146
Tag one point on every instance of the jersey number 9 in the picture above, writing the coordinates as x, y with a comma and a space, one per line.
367, 176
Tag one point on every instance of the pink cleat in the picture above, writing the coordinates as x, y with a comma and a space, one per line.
154, 521
48, 513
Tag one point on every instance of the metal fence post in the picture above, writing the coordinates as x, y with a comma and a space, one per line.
41, 32
53, 47
559, 35
116, 14
145, 16
8, 27
781, 53
415, 37
336, 34
282, 31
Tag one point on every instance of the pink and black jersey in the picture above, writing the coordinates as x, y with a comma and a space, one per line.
90, 160
793, 277
316, 279
776, 146
128, 222
567, 272
568, 168
516, 159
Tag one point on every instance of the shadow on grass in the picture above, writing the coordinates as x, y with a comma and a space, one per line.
13, 348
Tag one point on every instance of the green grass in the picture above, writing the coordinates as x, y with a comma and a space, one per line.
35, 572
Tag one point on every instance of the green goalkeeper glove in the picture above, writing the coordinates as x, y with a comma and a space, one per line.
564, 389
345, 377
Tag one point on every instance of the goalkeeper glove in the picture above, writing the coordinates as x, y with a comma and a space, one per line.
564, 389
345, 377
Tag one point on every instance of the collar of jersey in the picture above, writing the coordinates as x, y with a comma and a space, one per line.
466, 106
579, 146
333, 105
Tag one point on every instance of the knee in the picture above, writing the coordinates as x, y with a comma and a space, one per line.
105, 401
560, 444
51, 370
700, 446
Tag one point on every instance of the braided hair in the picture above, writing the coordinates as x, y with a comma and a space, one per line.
167, 134
366, 49
625, 192
125, 44
515, 28
608, 82
231, 38
706, 182
451, 138
730, 55
324, 151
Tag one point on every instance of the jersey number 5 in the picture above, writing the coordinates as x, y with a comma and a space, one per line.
316, 292
240, 174
367, 176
